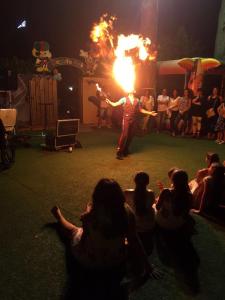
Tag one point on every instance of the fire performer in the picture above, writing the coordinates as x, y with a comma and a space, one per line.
127, 52
131, 107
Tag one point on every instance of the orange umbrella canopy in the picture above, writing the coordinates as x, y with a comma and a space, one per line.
206, 63
181, 66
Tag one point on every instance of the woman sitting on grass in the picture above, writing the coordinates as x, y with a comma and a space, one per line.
160, 185
141, 201
100, 244
213, 190
220, 125
196, 185
210, 159
174, 204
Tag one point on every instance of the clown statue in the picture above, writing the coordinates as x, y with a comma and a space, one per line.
43, 55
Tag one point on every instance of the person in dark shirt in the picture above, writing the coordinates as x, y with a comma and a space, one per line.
213, 102
131, 107
7, 148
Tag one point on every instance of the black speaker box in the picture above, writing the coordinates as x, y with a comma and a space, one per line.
54, 143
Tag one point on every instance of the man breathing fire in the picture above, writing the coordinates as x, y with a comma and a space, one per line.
131, 107
126, 52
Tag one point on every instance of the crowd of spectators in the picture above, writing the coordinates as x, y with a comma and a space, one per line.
188, 115
118, 229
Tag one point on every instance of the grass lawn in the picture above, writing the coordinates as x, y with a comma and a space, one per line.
32, 262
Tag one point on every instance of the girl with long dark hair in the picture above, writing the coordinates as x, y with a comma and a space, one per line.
141, 201
107, 238
174, 204
213, 190
212, 104
105, 224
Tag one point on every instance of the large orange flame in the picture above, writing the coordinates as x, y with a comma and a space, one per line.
128, 48
124, 67
99, 31
102, 31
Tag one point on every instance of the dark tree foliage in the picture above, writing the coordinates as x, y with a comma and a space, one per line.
179, 45
17, 65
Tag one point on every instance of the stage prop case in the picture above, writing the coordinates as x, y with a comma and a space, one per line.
65, 135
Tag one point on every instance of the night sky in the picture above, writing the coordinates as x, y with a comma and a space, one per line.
65, 24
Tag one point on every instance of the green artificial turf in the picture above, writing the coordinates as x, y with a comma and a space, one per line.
32, 264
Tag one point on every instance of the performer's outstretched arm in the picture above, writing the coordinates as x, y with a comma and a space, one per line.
114, 104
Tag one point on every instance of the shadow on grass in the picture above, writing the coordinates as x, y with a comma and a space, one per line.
83, 284
177, 252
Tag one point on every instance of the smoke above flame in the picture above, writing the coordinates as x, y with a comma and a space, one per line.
127, 51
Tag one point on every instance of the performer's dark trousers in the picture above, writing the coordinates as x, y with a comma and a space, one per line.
127, 134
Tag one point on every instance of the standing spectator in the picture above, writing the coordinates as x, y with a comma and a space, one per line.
220, 125
162, 107
7, 147
141, 201
184, 105
173, 110
148, 103
198, 111
103, 113
2, 143
212, 104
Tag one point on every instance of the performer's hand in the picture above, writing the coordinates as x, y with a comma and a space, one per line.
107, 101
153, 113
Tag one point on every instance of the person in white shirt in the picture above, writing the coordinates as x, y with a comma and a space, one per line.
173, 110
162, 103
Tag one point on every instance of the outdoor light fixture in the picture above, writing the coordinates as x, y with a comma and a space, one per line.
22, 25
